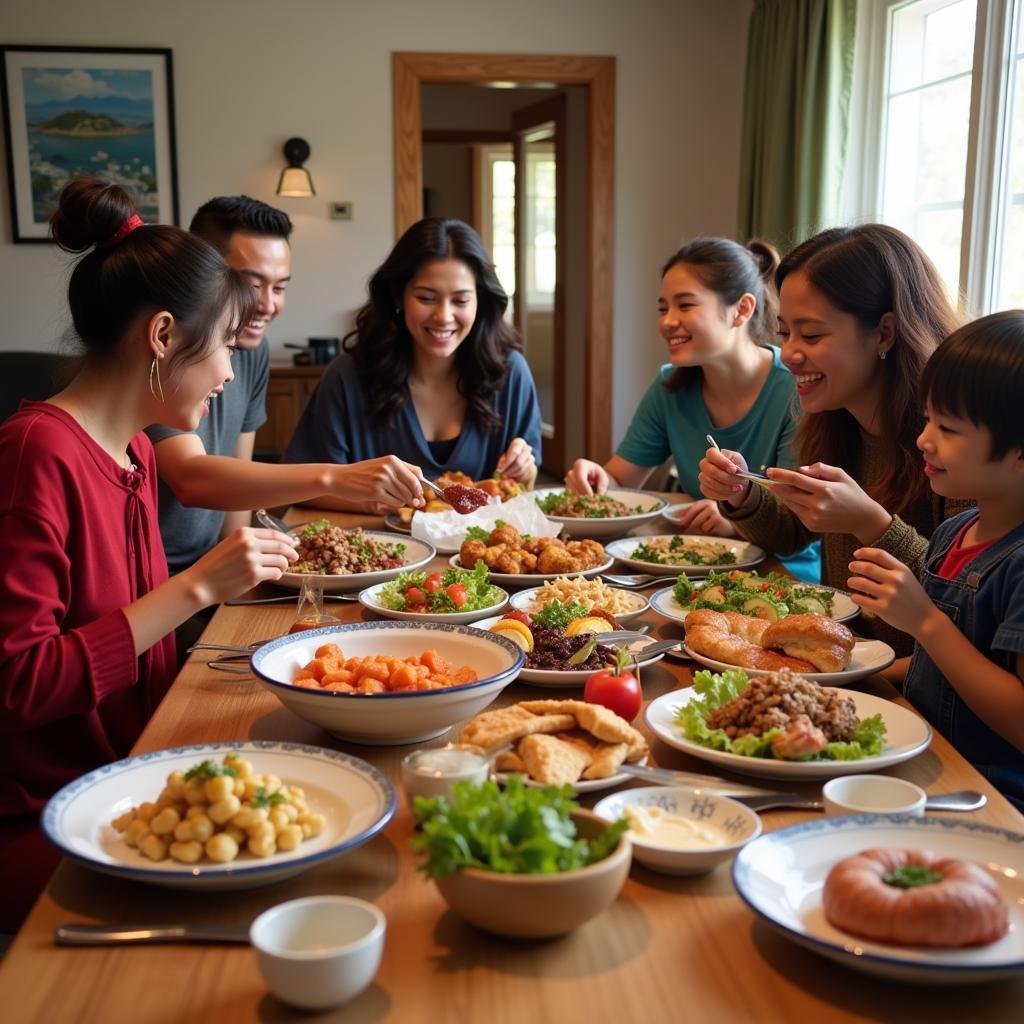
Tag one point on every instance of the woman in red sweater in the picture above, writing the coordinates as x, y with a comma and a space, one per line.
88, 613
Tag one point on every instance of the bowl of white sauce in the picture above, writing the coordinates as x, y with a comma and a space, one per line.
678, 830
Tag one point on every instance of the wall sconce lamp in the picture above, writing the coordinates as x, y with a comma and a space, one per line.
295, 180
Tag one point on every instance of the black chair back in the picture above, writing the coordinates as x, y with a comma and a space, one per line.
33, 376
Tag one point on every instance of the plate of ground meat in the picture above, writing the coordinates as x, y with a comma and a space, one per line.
352, 559
907, 734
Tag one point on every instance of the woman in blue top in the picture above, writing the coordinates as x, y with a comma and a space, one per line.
431, 373
717, 312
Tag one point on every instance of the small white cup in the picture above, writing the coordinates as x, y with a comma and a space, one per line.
319, 952
872, 794
434, 770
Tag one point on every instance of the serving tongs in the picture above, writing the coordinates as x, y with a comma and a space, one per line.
236, 661
637, 580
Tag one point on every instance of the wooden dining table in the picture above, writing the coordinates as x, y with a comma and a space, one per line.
669, 948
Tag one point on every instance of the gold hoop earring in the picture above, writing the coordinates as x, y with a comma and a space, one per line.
154, 372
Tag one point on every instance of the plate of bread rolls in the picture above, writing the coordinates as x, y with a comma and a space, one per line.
814, 646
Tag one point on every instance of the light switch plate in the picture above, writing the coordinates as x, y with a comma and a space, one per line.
341, 211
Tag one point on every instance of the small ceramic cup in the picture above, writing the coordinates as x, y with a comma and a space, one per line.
433, 771
319, 952
872, 794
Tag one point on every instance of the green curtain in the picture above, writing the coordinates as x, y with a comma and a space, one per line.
795, 118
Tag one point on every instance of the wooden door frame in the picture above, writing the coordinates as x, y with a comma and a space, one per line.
551, 109
410, 71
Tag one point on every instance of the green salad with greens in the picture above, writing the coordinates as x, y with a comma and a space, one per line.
680, 550
454, 590
516, 830
714, 690
764, 597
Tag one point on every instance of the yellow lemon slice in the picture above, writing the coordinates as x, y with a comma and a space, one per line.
516, 631
588, 624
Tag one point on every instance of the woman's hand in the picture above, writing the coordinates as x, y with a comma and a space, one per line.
378, 485
826, 499
703, 517
518, 462
884, 585
586, 477
718, 480
248, 557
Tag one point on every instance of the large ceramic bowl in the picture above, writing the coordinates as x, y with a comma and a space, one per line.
390, 718
725, 824
650, 506
539, 906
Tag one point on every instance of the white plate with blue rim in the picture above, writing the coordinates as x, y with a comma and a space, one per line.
356, 800
780, 876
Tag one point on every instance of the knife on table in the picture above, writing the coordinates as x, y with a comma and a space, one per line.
112, 934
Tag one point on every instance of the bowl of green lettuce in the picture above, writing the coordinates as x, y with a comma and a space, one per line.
521, 861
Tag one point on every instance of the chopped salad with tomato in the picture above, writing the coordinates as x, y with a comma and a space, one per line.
454, 590
764, 597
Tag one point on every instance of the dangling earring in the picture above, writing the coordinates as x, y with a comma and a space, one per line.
154, 372
881, 355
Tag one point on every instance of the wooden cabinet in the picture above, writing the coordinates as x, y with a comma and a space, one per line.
288, 390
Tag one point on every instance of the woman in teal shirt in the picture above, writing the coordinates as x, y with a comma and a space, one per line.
716, 314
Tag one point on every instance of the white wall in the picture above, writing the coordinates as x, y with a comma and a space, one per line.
250, 73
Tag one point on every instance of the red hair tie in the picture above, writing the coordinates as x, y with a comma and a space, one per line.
133, 222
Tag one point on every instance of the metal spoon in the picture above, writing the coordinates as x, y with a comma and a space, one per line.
961, 800
109, 934
264, 518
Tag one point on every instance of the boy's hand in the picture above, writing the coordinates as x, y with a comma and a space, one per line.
885, 586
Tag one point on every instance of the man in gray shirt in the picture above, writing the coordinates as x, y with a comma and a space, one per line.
208, 481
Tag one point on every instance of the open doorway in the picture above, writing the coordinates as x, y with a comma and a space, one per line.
573, 374
512, 163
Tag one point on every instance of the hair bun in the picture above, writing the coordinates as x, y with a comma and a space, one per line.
765, 255
88, 213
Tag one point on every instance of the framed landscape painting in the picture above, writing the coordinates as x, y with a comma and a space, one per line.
104, 113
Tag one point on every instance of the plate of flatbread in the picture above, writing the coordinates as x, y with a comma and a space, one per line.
557, 743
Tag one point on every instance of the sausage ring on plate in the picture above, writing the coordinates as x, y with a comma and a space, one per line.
913, 898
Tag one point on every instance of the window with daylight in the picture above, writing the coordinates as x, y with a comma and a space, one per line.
944, 137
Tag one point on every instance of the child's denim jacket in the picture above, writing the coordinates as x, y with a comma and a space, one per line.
986, 603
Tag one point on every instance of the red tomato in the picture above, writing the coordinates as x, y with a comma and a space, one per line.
519, 616
619, 693
413, 595
432, 582
457, 592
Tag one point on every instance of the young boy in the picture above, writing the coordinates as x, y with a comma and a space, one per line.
967, 613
